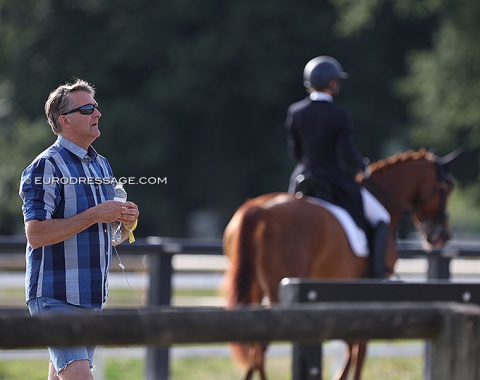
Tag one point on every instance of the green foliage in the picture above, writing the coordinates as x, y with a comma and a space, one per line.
439, 85
356, 15
195, 95
13, 155
462, 209
442, 79
198, 94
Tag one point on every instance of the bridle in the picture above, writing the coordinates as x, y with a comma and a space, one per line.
433, 229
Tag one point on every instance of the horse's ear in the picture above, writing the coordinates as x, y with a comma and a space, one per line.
452, 156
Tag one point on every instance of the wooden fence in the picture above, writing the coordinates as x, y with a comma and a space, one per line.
452, 328
307, 358
162, 250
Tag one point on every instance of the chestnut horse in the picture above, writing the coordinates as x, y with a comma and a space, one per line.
277, 235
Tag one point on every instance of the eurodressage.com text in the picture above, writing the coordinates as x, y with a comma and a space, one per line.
100, 181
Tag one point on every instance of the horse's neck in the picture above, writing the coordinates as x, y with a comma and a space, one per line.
396, 186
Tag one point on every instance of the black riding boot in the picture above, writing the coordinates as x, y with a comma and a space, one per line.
378, 248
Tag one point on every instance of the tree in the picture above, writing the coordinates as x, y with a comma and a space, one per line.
196, 94
440, 83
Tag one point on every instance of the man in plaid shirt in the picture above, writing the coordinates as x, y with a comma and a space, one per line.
68, 209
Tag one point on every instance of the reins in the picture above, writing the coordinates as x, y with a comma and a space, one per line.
384, 196
442, 184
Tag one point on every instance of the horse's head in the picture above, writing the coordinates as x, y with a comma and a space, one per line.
417, 182
429, 208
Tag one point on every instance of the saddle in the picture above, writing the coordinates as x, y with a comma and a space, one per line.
362, 237
349, 199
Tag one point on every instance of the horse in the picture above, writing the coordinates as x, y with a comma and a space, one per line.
279, 235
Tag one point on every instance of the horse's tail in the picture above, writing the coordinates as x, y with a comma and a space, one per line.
240, 285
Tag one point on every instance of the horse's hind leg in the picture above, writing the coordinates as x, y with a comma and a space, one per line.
261, 372
361, 350
249, 374
257, 361
355, 356
342, 373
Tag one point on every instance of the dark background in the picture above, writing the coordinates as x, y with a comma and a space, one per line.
197, 92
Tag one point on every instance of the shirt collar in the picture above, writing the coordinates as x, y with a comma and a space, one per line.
317, 96
81, 153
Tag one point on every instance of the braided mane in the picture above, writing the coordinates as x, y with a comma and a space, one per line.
398, 157
404, 156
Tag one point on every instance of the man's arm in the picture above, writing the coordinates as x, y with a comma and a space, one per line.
51, 231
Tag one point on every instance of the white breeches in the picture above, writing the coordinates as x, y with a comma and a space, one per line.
373, 209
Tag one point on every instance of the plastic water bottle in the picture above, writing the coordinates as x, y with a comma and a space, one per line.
120, 195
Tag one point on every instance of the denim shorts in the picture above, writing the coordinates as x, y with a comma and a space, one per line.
62, 356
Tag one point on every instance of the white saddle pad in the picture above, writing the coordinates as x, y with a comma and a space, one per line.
356, 236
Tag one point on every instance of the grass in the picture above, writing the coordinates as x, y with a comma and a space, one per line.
12, 297
394, 368
20, 370
278, 368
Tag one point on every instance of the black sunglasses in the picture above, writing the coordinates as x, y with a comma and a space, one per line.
87, 109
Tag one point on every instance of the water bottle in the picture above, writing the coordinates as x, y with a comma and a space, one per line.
120, 195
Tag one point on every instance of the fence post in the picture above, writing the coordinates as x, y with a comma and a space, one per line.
438, 267
306, 358
159, 294
307, 361
455, 352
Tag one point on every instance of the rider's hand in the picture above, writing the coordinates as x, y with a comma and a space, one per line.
367, 172
368, 169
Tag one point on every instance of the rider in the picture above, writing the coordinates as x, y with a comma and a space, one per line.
320, 139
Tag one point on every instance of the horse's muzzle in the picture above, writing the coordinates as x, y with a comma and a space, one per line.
438, 236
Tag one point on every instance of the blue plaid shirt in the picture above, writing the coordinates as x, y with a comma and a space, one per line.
63, 181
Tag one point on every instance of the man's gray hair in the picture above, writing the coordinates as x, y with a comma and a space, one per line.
59, 102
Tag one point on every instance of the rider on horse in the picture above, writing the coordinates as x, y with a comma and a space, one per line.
320, 139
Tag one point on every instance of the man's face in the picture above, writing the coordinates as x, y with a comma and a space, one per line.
82, 128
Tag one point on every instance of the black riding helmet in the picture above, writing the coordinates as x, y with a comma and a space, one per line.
319, 70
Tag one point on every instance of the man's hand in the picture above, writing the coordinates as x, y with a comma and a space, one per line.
110, 211
52, 231
129, 214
